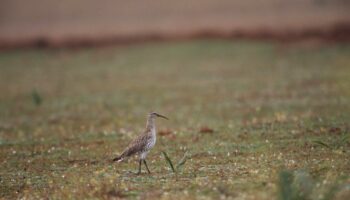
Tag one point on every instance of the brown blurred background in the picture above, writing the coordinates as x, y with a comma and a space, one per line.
84, 22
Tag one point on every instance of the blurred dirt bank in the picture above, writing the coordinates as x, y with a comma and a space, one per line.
87, 22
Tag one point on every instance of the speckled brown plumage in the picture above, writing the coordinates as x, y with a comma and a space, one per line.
138, 145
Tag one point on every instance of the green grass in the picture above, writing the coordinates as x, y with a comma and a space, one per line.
276, 111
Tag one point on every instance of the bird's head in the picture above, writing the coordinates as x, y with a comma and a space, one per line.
154, 115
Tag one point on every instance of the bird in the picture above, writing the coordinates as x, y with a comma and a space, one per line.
143, 143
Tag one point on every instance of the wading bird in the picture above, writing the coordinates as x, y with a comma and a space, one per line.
143, 143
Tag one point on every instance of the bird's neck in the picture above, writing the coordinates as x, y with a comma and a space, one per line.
151, 126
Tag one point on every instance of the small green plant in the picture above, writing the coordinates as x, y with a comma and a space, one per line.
321, 143
285, 185
182, 161
169, 161
336, 143
37, 100
178, 166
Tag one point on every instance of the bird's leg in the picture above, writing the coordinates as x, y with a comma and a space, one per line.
140, 162
144, 161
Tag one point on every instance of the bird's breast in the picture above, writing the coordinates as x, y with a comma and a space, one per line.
150, 143
152, 140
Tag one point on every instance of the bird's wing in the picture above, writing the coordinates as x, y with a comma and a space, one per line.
137, 145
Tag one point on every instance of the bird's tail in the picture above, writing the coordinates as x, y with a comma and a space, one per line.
118, 159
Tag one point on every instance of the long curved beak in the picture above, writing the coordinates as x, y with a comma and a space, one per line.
158, 115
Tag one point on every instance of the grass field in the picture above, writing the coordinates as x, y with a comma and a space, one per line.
258, 120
